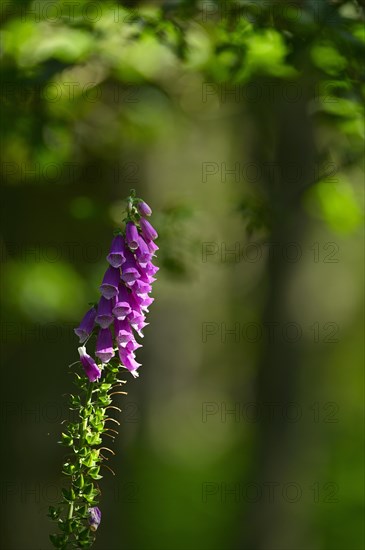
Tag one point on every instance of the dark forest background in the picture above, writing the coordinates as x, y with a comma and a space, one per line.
241, 124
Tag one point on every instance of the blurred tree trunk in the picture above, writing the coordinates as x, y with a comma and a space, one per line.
273, 522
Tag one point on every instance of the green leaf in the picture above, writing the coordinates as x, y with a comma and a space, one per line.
72, 526
62, 525
89, 499
337, 203
69, 495
58, 540
88, 461
75, 400
93, 439
68, 469
67, 440
53, 512
88, 489
79, 482
94, 472
82, 511
328, 58
104, 400
84, 534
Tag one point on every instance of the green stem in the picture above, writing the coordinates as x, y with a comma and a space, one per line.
87, 403
82, 440
70, 511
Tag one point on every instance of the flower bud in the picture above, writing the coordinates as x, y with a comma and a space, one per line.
149, 233
144, 209
94, 518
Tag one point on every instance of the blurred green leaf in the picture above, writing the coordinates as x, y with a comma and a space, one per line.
337, 204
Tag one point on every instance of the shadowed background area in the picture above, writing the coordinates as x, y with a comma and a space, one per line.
241, 124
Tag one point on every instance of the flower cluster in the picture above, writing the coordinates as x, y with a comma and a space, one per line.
115, 321
125, 295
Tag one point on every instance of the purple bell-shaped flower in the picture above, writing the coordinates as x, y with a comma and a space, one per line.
91, 369
104, 345
86, 326
109, 286
116, 255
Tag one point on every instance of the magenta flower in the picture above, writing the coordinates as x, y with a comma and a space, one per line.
143, 301
116, 255
123, 332
149, 233
137, 321
151, 269
125, 293
128, 360
143, 253
131, 235
104, 316
109, 286
152, 247
129, 270
141, 288
104, 345
144, 209
146, 276
122, 307
94, 518
132, 345
91, 369
135, 317
121, 310
134, 302
86, 326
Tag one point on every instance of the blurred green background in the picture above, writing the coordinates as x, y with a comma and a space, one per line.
241, 124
